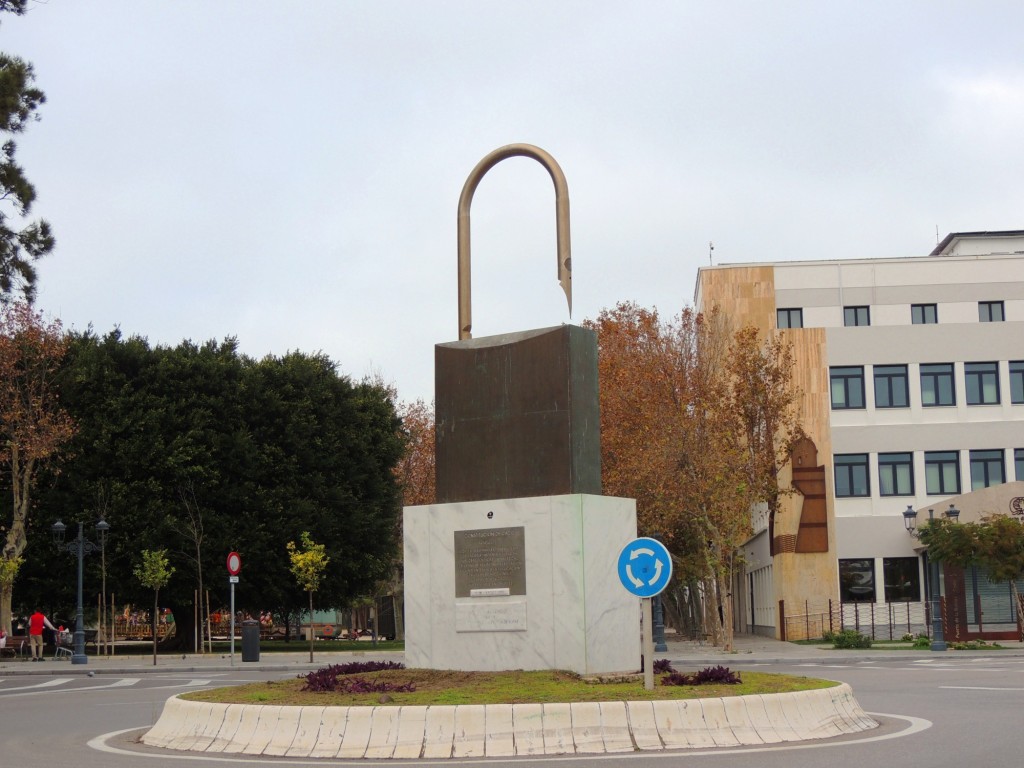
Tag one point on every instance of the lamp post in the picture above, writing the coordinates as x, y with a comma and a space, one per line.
82, 547
935, 594
659, 626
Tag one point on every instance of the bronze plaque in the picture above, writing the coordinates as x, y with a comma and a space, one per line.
490, 559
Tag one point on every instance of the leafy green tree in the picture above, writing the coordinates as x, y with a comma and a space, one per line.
266, 449
995, 544
152, 422
951, 542
154, 572
19, 247
308, 566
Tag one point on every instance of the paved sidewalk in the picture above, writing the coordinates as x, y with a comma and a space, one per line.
753, 649
134, 664
749, 649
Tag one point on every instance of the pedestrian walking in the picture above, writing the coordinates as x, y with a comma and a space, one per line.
36, 622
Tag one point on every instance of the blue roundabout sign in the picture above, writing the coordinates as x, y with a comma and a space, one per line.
645, 567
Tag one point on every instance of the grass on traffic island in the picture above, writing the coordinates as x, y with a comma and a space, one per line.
447, 687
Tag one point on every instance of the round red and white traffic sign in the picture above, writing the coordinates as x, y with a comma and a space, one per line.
234, 563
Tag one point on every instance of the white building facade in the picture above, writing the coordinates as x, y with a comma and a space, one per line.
913, 378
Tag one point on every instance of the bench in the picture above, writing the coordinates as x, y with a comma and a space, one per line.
16, 645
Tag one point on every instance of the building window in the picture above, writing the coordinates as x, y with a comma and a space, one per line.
902, 579
1018, 463
1017, 381
892, 389
852, 475
789, 318
937, 385
857, 581
856, 316
847, 387
986, 469
982, 383
896, 474
942, 472
991, 311
924, 314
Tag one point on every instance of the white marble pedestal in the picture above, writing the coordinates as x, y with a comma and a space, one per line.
572, 612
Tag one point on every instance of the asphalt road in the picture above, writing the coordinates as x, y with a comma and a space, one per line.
946, 711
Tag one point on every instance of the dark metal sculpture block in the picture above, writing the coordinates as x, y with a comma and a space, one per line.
517, 415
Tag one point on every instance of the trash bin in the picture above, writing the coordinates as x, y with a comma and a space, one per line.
250, 640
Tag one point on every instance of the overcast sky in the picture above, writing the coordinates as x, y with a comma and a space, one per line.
289, 173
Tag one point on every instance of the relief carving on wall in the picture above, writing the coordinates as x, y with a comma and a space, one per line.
809, 480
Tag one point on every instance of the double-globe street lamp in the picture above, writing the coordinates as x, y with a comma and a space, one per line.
82, 547
935, 597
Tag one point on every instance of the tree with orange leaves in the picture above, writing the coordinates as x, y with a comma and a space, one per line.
33, 426
674, 437
415, 472
763, 402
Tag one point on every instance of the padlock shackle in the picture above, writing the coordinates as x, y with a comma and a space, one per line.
561, 223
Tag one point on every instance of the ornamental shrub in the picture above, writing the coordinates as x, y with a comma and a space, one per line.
707, 676
850, 638
326, 678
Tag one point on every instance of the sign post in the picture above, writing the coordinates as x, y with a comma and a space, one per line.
234, 567
645, 568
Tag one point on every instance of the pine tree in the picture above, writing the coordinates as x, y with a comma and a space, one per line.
21, 244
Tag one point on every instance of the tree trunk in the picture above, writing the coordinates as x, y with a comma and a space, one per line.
16, 539
192, 632
156, 619
1018, 600
396, 608
6, 591
709, 604
725, 600
311, 632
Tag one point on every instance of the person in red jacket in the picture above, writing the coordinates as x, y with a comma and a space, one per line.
36, 622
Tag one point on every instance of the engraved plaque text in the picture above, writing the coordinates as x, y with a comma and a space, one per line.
490, 558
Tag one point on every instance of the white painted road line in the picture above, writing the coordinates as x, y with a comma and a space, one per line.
189, 684
914, 725
47, 684
122, 683
978, 688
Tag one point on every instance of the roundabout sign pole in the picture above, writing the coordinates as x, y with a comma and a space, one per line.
645, 568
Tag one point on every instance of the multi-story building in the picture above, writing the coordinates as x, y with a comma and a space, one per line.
912, 379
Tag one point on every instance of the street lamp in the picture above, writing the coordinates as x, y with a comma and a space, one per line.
953, 513
82, 547
910, 519
935, 596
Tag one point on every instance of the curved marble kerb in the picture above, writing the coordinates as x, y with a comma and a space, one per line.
507, 730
